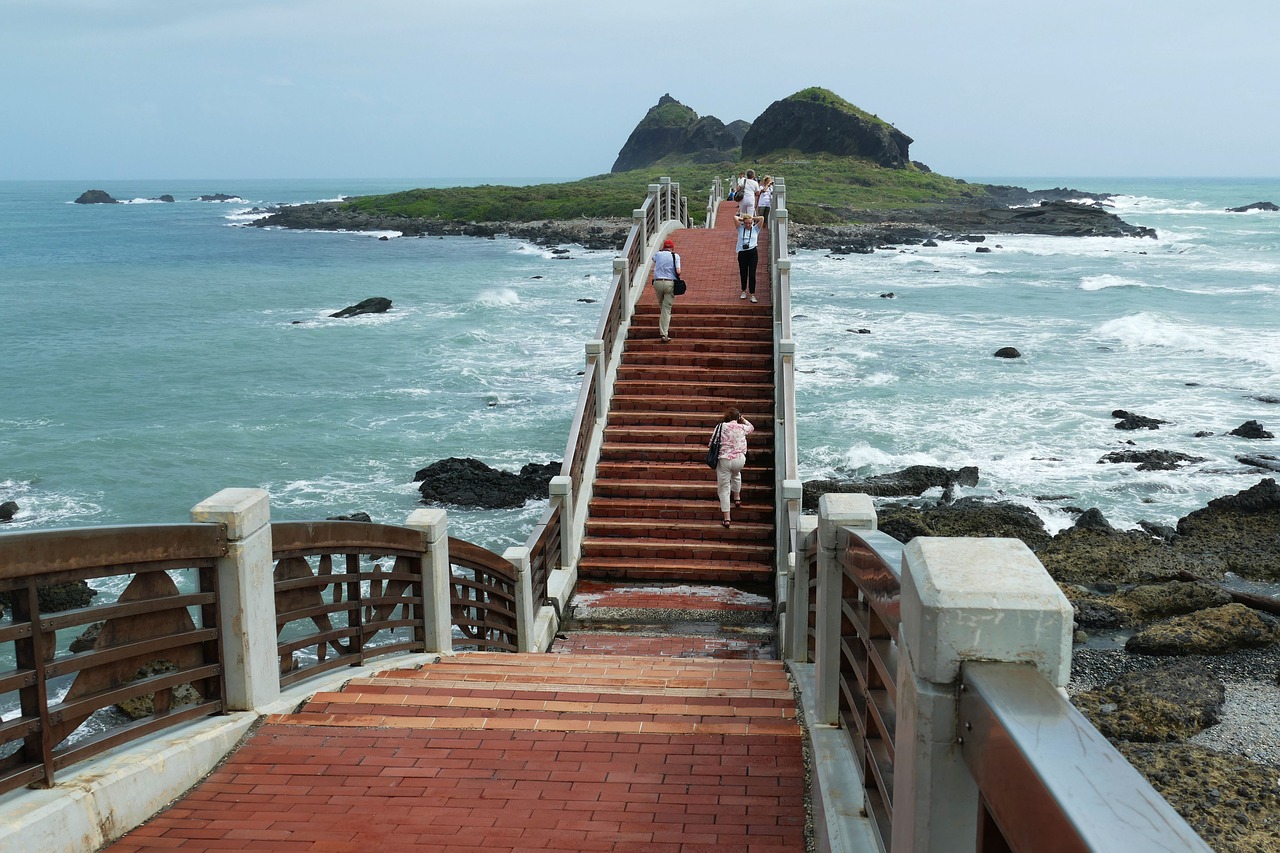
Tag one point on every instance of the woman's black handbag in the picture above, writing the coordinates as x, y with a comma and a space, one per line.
713, 449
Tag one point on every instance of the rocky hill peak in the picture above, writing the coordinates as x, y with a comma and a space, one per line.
671, 128
816, 121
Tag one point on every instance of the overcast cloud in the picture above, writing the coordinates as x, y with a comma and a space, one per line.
135, 89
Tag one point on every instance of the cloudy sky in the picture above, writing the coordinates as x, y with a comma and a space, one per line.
135, 89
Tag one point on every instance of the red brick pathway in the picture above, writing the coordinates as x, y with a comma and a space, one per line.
680, 742
495, 753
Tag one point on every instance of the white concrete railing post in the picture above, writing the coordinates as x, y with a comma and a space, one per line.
834, 511
638, 220
791, 493
561, 489
624, 286
526, 608
246, 596
664, 212
596, 364
962, 600
437, 575
797, 639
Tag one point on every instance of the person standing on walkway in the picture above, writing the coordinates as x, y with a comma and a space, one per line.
748, 253
764, 201
734, 429
750, 189
666, 267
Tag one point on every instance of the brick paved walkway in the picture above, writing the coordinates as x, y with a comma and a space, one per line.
668, 734
495, 753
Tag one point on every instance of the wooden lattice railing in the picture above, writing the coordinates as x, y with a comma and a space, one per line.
144, 656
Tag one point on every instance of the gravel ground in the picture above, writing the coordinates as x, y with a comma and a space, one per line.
1250, 724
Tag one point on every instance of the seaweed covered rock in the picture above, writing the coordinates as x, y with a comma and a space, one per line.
965, 517
1214, 631
1089, 554
1144, 603
1231, 802
912, 480
1168, 703
1239, 533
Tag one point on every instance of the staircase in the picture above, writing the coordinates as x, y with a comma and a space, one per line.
654, 515
504, 752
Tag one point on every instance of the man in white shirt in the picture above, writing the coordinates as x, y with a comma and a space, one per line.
666, 269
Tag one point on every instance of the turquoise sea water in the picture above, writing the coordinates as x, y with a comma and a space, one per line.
155, 353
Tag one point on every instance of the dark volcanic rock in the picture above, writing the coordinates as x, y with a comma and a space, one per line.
816, 121
355, 516
669, 127
1152, 460
58, 597
1128, 420
372, 305
913, 480
965, 517
1058, 218
1265, 461
471, 483
95, 197
216, 197
1007, 352
1088, 555
1251, 429
1144, 603
8, 510
1229, 801
1257, 205
1160, 705
165, 198
1239, 533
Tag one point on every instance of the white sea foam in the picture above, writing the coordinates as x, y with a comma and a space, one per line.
499, 297
1106, 280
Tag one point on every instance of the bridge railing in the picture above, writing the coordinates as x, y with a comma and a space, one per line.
193, 620
67, 672
551, 551
714, 197
787, 485
939, 668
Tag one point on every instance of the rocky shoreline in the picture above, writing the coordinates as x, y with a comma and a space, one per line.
1008, 210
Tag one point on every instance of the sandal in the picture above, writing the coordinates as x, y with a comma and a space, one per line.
724, 524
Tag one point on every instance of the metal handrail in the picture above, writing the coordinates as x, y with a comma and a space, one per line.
1048, 779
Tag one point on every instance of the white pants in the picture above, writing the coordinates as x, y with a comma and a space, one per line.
729, 479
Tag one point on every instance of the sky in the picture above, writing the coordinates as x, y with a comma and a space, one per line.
164, 89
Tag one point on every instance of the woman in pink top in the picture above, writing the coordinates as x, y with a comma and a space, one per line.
734, 429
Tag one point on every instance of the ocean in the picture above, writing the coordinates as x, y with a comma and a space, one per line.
155, 353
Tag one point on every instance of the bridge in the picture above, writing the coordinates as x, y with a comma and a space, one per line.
635, 677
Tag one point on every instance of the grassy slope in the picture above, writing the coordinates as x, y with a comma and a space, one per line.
821, 189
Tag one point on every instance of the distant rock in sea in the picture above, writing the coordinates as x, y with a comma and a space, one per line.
216, 197
372, 305
1257, 205
95, 197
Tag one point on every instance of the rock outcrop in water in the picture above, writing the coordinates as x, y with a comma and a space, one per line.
1257, 205
95, 197
471, 483
372, 305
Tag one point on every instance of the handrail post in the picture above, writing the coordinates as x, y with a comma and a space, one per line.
797, 645
246, 596
666, 208
595, 363
791, 493
962, 599
561, 488
623, 275
437, 576
834, 511
518, 556
641, 222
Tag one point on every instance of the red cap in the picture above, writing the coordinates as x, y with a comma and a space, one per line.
669, 245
